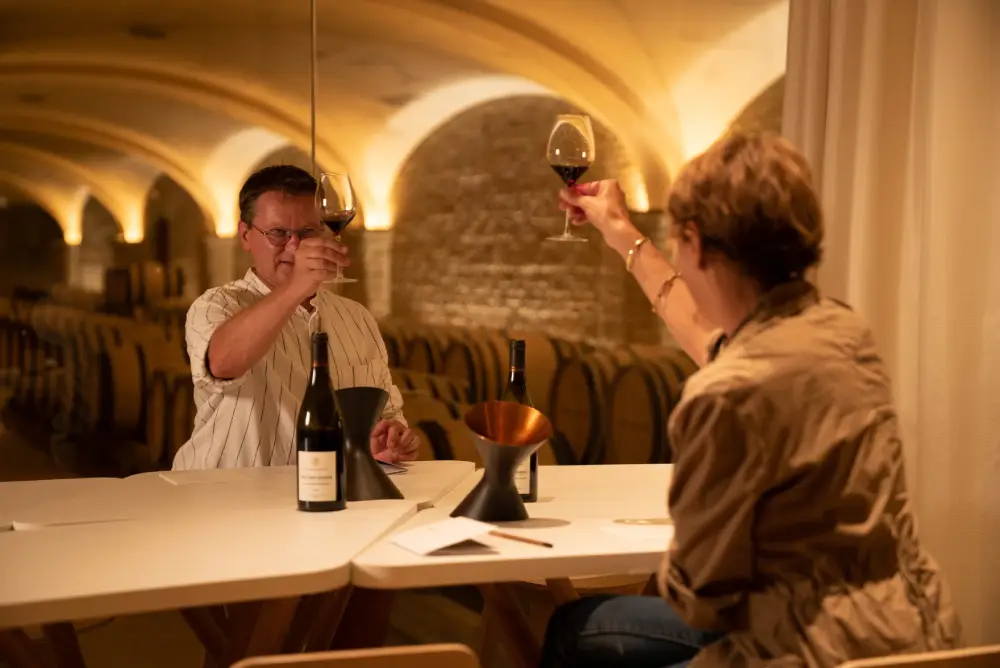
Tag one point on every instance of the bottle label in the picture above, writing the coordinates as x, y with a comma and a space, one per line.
317, 476
522, 477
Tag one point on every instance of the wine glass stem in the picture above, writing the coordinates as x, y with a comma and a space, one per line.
566, 232
340, 267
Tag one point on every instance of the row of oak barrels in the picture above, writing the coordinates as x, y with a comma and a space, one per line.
122, 387
608, 403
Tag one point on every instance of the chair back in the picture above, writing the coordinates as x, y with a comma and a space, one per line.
420, 656
973, 657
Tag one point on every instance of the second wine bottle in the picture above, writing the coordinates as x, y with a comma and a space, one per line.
526, 476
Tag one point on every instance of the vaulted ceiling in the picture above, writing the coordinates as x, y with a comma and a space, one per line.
99, 97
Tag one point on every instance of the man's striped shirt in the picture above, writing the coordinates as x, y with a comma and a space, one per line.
250, 420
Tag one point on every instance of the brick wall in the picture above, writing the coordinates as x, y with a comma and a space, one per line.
474, 203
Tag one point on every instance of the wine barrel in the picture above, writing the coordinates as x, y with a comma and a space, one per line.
147, 282
461, 361
447, 437
494, 352
158, 412
580, 394
671, 371
122, 378
182, 417
636, 422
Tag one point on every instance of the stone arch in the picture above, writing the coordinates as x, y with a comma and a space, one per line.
90, 179
474, 203
285, 155
764, 112
116, 138
176, 232
97, 245
251, 102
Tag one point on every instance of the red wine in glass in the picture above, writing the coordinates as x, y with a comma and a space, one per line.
336, 207
570, 174
570, 153
338, 222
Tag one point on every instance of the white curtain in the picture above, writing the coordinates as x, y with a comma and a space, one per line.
897, 105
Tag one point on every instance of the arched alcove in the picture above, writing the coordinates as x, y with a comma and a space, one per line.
474, 203
175, 233
97, 248
286, 155
32, 250
763, 113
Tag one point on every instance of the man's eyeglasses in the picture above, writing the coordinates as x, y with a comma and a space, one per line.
279, 236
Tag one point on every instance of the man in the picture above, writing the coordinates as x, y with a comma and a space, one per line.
250, 340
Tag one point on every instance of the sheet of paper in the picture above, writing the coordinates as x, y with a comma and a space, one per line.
391, 469
203, 476
439, 535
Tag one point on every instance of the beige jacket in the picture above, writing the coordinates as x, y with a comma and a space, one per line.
795, 533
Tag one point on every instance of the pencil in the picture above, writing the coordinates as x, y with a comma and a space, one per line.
520, 539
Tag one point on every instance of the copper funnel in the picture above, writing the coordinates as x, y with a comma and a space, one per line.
506, 433
360, 408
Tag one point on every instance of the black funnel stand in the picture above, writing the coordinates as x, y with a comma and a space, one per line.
360, 408
505, 433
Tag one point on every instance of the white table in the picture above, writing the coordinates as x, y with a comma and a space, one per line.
22, 496
190, 493
195, 539
181, 561
576, 512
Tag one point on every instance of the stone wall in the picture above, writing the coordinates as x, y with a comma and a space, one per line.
474, 203
32, 251
171, 213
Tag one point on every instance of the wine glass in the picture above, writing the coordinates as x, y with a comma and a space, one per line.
337, 208
570, 153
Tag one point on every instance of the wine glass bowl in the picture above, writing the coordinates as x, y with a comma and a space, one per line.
336, 206
570, 153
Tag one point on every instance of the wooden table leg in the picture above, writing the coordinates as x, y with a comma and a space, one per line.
64, 645
328, 619
17, 650
208, 631
562, 590
273, 624
510, 620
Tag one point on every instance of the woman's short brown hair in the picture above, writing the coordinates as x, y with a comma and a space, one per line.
751, 198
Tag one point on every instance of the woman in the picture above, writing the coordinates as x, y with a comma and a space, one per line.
794, 539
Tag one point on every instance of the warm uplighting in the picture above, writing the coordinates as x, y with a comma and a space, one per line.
633, 185
228, 166
413, 123
377, 218
734, 71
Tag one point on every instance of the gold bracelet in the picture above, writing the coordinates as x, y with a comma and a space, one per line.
633, 252
665, 289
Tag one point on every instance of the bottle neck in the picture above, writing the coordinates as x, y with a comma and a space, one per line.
516, 375
320, 360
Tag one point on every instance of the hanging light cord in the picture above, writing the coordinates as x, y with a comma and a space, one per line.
312, 76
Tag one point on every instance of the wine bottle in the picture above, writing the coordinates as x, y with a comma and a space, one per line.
319, 437
526, 476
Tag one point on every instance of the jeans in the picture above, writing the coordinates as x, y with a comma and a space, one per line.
634, 631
